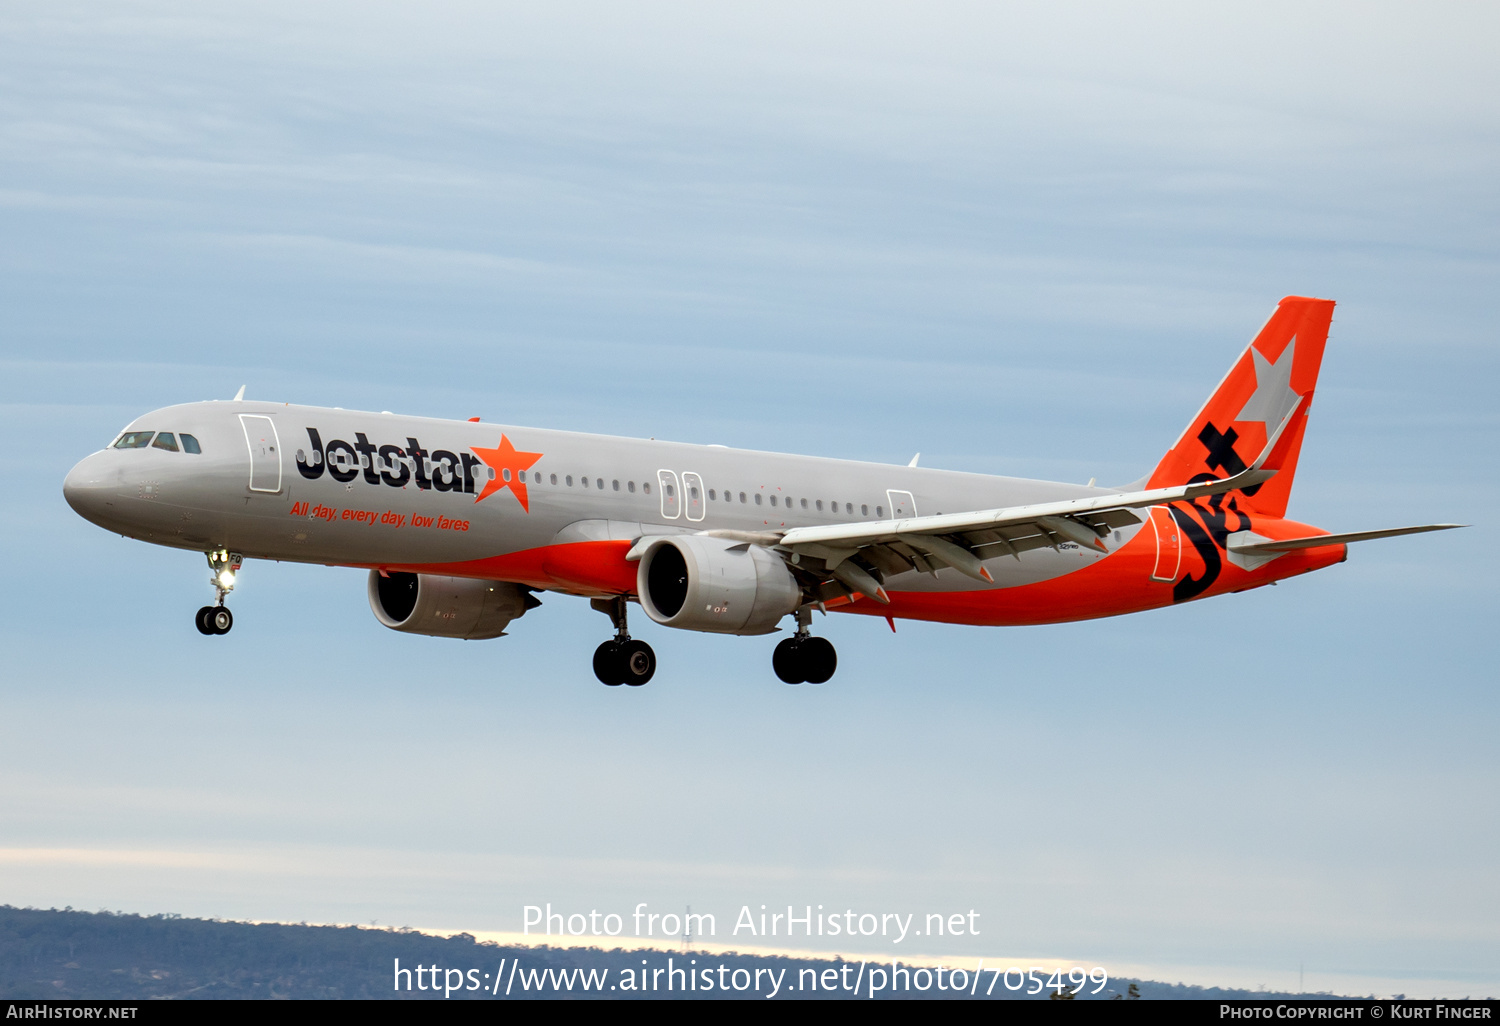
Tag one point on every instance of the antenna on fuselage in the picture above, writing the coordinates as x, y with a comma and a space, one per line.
914, 459
240, 394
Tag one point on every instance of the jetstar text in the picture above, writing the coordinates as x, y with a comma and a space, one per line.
394, 465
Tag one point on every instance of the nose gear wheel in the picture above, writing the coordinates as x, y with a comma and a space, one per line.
214, 620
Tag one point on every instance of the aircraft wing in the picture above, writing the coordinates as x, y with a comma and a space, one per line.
963, 540
1079, 511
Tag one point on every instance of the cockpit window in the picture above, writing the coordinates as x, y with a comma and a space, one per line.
190, 444
134, 440
165, 441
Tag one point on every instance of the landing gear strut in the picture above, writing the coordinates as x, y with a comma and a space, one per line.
621, 660
802, 657
217, 619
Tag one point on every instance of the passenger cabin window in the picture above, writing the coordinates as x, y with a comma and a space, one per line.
165, 440
757, 498
880, 511
190, 444
712, 495
630, 487
134, 440
773, 500
864, 510
554, 479
569, 479
820, 505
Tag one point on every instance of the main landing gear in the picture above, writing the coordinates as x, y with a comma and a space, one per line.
622, 660
803, 658
217, 619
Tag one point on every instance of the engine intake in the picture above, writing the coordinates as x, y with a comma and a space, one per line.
711, 584
447, 607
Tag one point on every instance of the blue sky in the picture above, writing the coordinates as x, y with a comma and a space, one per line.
1019, 241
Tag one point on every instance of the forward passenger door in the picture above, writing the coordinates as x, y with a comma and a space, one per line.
265, 454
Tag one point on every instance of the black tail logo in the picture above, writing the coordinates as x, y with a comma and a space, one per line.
1209, 532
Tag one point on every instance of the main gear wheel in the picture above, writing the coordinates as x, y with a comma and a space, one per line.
805, 659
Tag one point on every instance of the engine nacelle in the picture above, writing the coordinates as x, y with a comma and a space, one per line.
711, 584
447, 607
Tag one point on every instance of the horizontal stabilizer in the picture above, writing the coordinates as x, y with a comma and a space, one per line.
1268, 548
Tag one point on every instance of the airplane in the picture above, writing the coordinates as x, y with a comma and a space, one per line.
461, 523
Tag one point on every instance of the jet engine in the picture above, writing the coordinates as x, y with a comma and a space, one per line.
712, 584
447, 607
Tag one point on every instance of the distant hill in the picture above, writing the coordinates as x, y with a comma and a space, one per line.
65, 954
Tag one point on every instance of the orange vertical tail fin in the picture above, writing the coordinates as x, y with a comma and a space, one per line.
1272, 380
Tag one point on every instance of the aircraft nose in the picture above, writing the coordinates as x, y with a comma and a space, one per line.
90, 487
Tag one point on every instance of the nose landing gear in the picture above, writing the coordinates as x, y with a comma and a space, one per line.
621, 660
214, 620
803, 658
217, 619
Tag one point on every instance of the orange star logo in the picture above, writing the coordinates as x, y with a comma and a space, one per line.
509, 465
